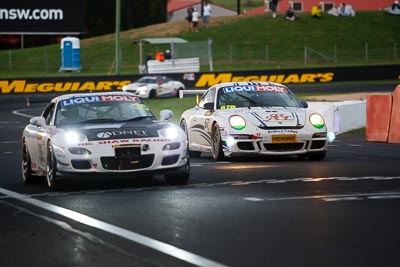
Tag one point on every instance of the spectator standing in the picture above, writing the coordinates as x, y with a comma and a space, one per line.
395, 6
316, 12
160, 56
290, 15
167, 54
207, 9
195, 20
148, 57
273, 5
189, 17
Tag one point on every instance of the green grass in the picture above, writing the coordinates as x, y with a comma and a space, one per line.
356, 131
175, 104
239, 43
244, 4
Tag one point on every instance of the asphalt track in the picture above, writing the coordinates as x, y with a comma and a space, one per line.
342, 211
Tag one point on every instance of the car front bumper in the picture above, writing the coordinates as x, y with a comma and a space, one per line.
303, 144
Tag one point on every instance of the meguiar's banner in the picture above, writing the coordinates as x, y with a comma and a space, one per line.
201, 80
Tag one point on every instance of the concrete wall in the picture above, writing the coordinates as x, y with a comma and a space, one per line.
341, 117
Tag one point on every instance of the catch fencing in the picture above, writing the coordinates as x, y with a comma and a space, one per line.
212, 56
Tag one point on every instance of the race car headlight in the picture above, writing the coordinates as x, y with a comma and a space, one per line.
73, 137
170, 132
237, 122
317, 121
172, 146
142, 90
79, 151
124, 88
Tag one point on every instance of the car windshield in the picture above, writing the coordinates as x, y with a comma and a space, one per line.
256, 96
148, 79
101, 109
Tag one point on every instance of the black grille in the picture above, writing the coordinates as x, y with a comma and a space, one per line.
245, 145
169, 160
127, 158
284, 147
317, 144
80, 164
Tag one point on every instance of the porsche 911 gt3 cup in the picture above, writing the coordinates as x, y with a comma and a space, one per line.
253, 118
103, 133
155, 86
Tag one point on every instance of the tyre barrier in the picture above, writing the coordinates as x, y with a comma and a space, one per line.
383, 117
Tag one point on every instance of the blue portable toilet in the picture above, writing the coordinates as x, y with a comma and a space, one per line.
70, 54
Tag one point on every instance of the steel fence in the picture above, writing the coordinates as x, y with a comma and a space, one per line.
48, 59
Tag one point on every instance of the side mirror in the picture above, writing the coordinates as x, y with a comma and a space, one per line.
166, 114
304, 104
38, 122
209, 106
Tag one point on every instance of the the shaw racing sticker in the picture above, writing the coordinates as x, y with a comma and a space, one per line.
126, 141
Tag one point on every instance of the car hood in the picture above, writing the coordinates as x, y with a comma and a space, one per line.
272, 118
111, 131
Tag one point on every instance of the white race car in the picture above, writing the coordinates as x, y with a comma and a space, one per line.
156, 86
98, 134
258, 118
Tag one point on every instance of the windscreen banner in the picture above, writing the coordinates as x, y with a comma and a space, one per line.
42, 17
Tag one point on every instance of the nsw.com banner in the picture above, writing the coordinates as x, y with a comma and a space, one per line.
42, 17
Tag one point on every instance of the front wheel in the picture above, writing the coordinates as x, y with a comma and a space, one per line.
51, 168
26, 165
179, 178
216, 143
153, 94
192, 154
317, 156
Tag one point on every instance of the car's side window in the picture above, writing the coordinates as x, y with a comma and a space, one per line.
48, 113
207, 98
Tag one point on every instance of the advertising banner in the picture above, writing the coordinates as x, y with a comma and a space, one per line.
42, 17
202, 80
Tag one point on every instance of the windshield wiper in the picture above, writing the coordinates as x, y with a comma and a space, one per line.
99, 120
139, 118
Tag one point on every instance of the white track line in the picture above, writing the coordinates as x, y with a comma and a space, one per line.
118, 231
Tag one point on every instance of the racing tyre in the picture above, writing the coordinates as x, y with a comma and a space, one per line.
192, 154
51, 168
26, 165
216, 143
317, 156
152, 94
179, 178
